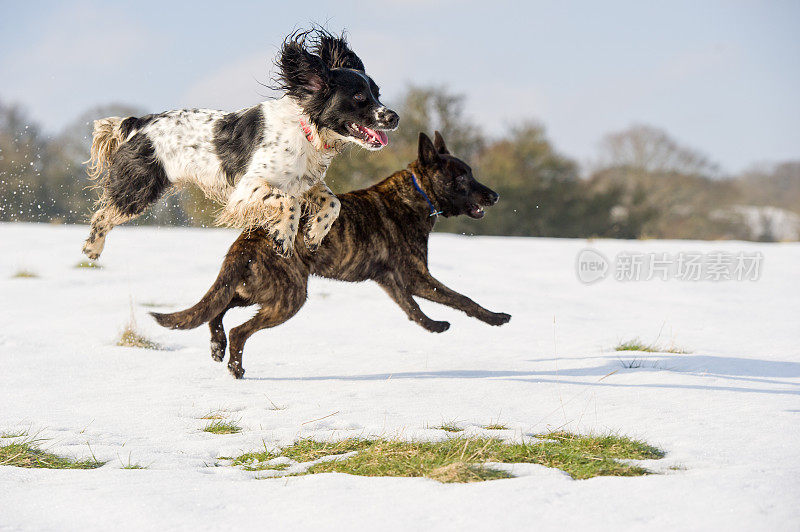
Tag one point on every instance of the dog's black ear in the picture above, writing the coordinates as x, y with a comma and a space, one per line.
428, 156
335, 52
301, 73
438, 143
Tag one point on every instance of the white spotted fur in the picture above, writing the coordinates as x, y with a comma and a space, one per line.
183, 141
286, 163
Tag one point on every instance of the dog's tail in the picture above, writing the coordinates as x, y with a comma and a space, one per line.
216, 299
107, 137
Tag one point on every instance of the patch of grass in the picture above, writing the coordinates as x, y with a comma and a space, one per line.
14, 434
28, 454
461, 459
304, 450
218, 426
25, 274
130, 337
214, 414
450, 426
89, 264
266, 467
495, 426
130, 465
464, 472
637, 345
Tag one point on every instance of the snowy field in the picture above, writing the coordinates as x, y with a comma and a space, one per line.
350, 364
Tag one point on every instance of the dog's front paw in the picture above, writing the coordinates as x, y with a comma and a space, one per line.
281, 244
91, 250
497, 318
316, 232
437, 326
311, 244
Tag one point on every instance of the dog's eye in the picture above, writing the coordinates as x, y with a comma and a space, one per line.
359, 97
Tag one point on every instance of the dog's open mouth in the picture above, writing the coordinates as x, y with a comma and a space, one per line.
475, 211
373, 138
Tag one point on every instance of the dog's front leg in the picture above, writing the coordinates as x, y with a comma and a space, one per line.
256, 203
284, 230
430, 288
403, 298
323, 208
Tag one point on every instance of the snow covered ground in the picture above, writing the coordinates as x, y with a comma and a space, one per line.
727, 414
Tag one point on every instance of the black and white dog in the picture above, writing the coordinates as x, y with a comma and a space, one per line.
264, 163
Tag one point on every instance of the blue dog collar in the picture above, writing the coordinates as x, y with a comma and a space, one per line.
414, 181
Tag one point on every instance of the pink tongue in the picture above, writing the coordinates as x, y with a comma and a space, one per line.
380, 136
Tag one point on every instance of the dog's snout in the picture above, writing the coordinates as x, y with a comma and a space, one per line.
387, 117
487, 196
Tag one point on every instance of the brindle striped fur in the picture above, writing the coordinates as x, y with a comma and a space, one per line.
381, 234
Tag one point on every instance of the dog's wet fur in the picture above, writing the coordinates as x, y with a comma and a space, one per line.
381, 234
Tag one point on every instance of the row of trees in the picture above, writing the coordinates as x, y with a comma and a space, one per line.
644, 184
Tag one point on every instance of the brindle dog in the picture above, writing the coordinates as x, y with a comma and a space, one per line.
381, 234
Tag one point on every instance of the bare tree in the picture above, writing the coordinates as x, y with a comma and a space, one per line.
651, 150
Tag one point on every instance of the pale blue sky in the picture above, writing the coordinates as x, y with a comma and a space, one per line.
723, 77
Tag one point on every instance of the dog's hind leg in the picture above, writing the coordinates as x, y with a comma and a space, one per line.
219, 340
323, 208
136, 179
269, 316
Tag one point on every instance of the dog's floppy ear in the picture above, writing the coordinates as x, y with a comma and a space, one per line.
301, 73
335, 52
428, 156
438, 143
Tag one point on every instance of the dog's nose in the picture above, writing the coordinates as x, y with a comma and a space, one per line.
388, 118
494, 197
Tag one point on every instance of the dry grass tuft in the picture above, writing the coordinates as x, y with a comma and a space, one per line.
14, 434
88, 264
131, 465
214, 414
130, 337
638, 345
25, 274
